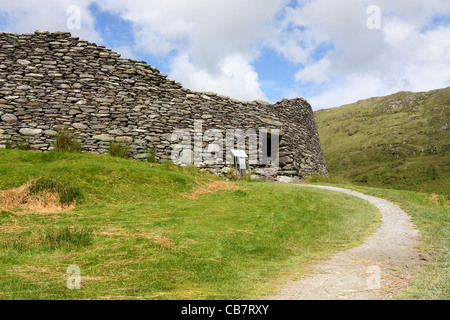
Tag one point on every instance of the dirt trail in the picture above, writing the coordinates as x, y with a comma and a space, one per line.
375, 270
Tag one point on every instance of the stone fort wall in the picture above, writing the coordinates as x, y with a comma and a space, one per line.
50, 80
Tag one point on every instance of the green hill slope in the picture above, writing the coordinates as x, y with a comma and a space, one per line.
400, 141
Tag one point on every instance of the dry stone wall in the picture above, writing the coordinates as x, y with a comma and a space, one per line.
54, 80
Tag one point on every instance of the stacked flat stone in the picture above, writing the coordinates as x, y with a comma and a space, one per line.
54, 80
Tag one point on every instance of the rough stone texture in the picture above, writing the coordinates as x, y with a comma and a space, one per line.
9, 118
49, 80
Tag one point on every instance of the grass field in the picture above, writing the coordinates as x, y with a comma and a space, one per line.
141, 231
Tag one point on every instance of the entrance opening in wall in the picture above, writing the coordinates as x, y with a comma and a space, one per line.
269, 145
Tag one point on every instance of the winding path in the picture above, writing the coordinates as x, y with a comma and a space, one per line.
375, 270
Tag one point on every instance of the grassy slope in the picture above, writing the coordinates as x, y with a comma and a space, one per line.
400, 141
151, 243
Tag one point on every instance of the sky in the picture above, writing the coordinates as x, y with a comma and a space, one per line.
330, 52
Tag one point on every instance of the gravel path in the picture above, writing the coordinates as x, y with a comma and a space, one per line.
375, 270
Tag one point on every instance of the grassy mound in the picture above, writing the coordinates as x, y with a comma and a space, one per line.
160, 231
40, 195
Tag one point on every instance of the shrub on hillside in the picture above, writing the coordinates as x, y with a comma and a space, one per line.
151, 156
67, 141
119, 149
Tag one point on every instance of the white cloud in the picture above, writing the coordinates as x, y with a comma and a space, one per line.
125, 52
235, 78
212, 44
354, 88
418, 11
365, 62
51, 15
221, 39
317, 73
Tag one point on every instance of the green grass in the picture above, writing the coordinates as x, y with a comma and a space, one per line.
135, 237
119, 149
67, 193
432, 218
67, 141
400, 141
50, 237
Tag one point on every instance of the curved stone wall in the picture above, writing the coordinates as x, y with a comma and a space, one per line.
51, 80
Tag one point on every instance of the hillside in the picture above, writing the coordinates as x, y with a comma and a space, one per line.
400, 141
